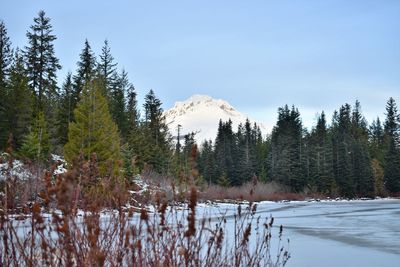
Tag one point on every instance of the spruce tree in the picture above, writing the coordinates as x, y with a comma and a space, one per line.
41, 62
93, 131
5, 64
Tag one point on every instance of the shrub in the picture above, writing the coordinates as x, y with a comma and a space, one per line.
76, 225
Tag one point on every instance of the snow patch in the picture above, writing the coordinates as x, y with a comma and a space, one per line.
62, 164
17, 170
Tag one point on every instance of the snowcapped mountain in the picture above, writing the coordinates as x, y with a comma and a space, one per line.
201, 114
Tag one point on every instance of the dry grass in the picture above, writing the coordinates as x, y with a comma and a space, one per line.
81, 219
252, 191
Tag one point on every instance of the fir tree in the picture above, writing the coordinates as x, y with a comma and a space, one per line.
42, 64
93, 131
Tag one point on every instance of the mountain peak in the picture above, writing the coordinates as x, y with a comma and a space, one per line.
201, 114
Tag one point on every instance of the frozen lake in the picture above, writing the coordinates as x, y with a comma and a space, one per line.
340, 233
328, 233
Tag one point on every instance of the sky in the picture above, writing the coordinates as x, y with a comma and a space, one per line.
257, 55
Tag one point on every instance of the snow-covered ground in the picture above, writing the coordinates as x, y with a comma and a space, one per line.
18, 170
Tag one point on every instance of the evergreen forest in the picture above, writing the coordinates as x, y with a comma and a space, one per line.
94, 111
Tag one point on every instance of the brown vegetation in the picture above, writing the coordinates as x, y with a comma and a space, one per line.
82, 219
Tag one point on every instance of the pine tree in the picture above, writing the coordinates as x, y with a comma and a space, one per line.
19, 112
93, 131
41, 61
5, 64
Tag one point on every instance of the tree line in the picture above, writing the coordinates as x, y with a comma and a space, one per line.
348, 157
96, 113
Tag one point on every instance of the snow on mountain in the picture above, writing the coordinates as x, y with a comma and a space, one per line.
201, 114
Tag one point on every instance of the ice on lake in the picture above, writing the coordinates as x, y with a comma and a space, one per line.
340, 233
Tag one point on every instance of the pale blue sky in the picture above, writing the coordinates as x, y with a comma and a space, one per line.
257, 55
